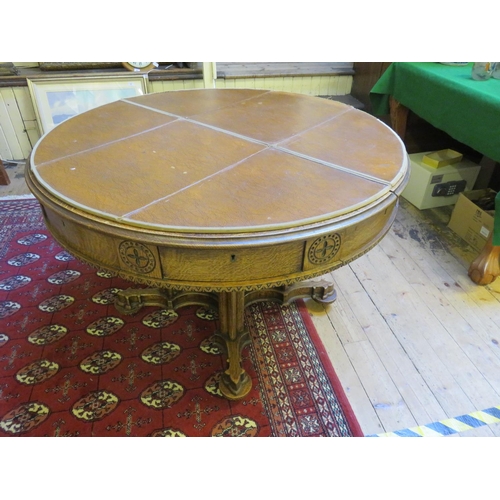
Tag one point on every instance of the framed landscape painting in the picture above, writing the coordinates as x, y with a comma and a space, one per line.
57, 99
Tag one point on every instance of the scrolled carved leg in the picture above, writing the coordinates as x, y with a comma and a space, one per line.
486, 267
320, 291
235, 383
132, 300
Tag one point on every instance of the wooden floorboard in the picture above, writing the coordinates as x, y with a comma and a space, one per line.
412, 387
414, 327
421, 337
412, 339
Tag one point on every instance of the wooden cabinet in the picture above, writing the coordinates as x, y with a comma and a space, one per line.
4, 178
366, 75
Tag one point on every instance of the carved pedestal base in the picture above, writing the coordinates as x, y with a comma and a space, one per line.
235, 383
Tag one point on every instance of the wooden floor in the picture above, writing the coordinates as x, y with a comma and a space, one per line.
413, 340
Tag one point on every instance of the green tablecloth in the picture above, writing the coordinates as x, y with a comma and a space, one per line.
496, 228
450, 100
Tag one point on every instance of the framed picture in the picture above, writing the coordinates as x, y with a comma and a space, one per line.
57, 99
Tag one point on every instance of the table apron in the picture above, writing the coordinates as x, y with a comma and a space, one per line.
241, 267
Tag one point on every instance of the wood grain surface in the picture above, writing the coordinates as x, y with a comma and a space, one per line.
219, 189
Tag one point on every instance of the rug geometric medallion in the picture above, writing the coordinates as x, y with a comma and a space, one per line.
71, 365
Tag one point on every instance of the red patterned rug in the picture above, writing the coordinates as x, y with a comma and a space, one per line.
71, 365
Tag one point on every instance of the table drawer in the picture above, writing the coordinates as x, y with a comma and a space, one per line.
231, 265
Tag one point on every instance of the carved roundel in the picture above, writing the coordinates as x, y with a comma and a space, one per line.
137, 256
324, 248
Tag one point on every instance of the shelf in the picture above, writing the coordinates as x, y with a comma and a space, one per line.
19, 80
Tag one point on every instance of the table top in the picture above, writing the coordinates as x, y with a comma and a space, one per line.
446, 97
220, 160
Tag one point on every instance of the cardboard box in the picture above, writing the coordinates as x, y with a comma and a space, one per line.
442, 158
470, 221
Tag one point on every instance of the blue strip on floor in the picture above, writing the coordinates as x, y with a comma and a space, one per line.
450, 425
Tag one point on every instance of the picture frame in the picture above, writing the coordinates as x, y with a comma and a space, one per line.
57, 99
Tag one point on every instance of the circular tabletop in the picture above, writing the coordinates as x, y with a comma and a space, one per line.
220, 161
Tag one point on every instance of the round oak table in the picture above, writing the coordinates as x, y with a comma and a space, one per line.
220, 198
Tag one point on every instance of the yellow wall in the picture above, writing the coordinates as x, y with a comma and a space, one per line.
311, 85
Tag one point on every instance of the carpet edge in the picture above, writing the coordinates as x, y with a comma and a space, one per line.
328, 366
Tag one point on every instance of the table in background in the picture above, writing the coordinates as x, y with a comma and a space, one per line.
468, 110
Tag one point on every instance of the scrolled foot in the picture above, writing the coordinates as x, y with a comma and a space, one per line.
234, 382
235, 390
325, 294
